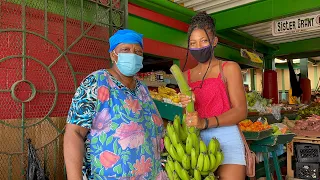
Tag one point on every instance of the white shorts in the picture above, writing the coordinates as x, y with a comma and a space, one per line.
230, 141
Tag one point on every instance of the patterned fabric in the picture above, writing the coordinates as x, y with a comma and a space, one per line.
125, 129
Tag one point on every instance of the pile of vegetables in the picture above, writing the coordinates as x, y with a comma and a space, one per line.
313, 109
248, 125
256, 102
312, 123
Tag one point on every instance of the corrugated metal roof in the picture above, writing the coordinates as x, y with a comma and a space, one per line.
263, 31
212, 6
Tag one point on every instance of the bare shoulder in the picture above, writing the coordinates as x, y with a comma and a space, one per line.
231, 67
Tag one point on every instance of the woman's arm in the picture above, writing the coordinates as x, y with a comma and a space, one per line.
238, 111
73, 149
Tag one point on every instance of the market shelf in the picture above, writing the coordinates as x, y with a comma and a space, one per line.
168, 111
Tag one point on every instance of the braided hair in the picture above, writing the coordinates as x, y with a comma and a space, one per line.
205, 22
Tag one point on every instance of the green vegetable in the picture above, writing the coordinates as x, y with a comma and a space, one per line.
183, 85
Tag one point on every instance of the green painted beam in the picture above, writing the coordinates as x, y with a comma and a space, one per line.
178, 38
285, 66
246, 42
261, 11
167, 8
303, 46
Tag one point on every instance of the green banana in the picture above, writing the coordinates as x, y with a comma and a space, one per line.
212, 146
204, 173
183, 124
167, 142
170, 162
212, 177
206, 163
180, 150
195, 143
175, 175
178, 169
194, 158
186, 162
217, 143
196, 174
184, 175
170, 130
200, 162
176, 125
191, 130
183, 135
175, 139
212, 161
189, 145
203, 147
169, 171
174, 154
219, 160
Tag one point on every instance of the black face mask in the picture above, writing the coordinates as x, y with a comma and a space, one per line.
202, 55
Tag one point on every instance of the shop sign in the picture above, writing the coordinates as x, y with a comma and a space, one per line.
296, 25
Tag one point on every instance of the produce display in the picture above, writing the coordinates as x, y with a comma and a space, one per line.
256, 102
311, 123
189, 157
167, 95
313, 109
248, 125
279, 129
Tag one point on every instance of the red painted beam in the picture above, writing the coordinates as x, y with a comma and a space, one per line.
158, 18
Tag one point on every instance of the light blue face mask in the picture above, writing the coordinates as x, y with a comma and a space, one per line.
129, 64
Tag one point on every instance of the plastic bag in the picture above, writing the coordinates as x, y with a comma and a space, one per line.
279, 128
258, 106
34, 169
276, 112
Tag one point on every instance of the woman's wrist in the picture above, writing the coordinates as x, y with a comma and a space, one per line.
213, 122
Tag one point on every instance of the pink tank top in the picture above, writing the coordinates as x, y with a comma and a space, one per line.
212, 99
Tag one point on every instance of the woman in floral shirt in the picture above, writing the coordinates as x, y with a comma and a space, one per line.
113, 123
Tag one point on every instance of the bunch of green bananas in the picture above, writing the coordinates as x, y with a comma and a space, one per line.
188, 156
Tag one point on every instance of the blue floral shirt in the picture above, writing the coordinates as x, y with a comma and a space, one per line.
124, 125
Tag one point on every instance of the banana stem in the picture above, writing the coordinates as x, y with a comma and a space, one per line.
183, 85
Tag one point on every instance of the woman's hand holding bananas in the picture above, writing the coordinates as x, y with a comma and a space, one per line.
193, 120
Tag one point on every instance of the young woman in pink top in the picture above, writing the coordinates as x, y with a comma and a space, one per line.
218, 95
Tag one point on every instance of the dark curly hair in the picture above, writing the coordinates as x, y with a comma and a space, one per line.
201, 21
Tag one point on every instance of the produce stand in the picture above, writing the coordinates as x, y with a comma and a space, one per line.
271, 119
266, 142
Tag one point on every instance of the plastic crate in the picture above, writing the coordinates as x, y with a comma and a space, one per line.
307, 170
308, 152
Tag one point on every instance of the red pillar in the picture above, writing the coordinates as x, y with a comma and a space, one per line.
270, 86
305, 85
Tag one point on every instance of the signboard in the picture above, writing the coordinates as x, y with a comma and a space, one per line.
296, 25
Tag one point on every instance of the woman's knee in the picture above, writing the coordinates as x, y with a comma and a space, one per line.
232, 172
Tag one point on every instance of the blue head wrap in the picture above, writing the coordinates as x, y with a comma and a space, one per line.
125, 36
